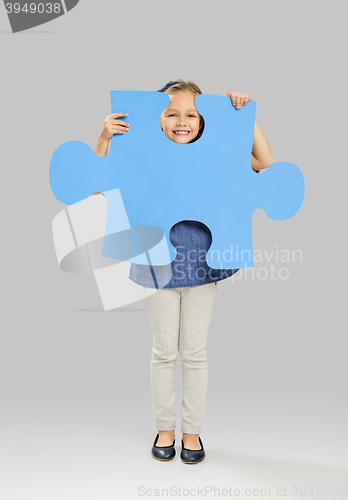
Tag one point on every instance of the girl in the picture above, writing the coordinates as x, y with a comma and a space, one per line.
180, 311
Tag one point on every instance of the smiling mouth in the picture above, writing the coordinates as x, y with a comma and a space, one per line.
181, 132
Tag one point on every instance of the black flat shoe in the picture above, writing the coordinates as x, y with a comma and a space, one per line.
164, 453
192, 456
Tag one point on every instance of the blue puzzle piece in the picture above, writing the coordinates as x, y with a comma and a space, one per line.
163, 182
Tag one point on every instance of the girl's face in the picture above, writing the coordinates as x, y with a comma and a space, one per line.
180, 121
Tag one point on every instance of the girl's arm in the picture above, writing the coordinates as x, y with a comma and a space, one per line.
102, 146
110, 127
261, 155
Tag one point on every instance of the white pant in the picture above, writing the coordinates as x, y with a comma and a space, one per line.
179, 320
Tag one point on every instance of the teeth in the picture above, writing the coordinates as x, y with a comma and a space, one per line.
180, 133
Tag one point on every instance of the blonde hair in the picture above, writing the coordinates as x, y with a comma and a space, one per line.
180, 85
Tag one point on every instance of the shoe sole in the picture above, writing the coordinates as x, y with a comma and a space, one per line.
192, 462
163, 459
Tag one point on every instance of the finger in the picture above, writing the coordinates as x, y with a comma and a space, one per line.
120, 122
113, 122
115, 130
242, 99
233, 97
119, 130
117, 115
122, 129
238, 101
246, 98
230, 95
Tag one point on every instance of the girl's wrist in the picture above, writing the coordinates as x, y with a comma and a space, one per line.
102, 146
102, 140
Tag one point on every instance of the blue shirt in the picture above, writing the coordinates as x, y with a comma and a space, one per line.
192, 240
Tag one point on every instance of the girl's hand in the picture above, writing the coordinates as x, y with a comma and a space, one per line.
238, 98
110, 127
113, 126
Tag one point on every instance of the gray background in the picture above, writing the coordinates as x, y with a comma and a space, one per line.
76, 416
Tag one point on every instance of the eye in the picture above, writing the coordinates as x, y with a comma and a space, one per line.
171, 114
194, 116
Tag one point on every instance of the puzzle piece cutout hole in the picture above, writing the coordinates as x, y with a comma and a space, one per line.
189, 111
